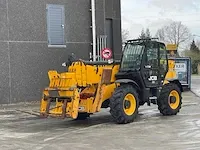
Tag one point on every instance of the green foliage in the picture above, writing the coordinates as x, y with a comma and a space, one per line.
194, 48
194, 54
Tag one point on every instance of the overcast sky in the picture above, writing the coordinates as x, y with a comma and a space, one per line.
138, 14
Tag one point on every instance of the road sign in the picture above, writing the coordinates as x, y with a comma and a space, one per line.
171, 47
182, 67
106, 53
183, 70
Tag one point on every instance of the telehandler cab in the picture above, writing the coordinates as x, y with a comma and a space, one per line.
143, 75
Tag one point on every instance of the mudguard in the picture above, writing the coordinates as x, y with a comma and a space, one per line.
128, 81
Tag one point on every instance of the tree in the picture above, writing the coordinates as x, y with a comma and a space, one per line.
145, 34
161, 34
148, 34
193, 53
142, 35
194, 48
174, 33
125, 35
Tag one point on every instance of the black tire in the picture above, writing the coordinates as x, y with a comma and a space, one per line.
163, 101
117, 104
82, 116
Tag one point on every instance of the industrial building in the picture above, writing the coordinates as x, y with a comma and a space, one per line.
38, 35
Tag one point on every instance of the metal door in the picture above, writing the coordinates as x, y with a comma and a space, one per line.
150, 69
56, 24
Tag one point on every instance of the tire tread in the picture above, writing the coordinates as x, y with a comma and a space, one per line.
163, 105
115, 104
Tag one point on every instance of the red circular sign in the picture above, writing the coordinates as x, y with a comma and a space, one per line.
106, 53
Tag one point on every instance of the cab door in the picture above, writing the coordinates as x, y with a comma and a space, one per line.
150, 68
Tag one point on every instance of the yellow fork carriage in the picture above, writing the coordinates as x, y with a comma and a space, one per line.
80, 91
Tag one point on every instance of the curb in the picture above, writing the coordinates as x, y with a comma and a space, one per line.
195, 93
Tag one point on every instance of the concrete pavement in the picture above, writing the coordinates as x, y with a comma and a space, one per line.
151, 131
196, 84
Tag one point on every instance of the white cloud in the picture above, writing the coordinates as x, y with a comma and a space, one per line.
156, 13
176, 5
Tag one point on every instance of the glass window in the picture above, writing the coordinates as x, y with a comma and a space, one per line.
152, 56
132, 56
163, 59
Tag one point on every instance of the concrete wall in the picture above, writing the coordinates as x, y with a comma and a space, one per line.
24, 54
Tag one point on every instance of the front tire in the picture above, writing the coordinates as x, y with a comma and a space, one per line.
170, 100
124, 104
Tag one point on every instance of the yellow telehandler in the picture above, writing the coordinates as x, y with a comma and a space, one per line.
143, 75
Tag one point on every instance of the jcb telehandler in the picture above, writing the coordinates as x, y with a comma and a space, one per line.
143, 75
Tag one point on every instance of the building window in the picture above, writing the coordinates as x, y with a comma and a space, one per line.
56, 25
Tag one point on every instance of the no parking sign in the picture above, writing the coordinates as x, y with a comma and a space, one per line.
106, 53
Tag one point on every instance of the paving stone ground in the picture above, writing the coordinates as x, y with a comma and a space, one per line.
22, 129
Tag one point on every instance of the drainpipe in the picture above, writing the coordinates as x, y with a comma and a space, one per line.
93, 29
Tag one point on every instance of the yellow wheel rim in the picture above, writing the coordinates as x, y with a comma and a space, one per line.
129, 104
175, 102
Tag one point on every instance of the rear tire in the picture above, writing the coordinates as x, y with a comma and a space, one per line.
124, 104
169, 106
